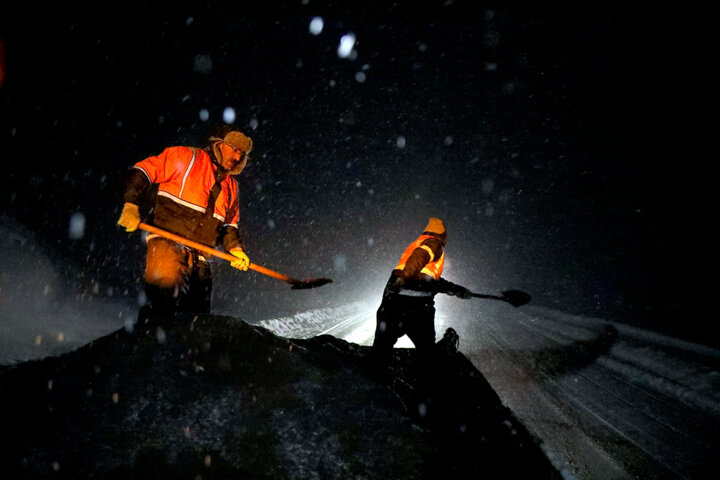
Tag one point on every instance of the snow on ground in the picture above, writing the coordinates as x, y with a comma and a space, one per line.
635, 404
677, 368
312, 322
39, 316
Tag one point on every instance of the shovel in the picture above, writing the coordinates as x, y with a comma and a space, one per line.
515, 298
296, 284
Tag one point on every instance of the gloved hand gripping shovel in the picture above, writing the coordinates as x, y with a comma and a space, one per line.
296, 284
515, 298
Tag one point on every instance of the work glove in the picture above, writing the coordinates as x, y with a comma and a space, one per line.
130, 217
395, 284
242, 262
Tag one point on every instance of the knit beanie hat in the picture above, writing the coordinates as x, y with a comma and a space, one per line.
435, 225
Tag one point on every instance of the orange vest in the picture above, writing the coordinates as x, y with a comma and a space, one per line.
434, 267
186, 176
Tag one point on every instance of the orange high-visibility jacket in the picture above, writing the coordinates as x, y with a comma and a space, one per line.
185, 177
434, 267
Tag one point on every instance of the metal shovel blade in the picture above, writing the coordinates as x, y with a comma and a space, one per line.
516, 298
309, 283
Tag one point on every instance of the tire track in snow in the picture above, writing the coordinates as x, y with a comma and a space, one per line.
624, 406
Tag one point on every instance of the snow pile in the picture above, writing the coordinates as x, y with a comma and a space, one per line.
219, 398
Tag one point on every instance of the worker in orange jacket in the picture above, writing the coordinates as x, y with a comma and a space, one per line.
197, 198
408, 303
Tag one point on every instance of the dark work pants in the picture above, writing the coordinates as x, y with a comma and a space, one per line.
400, 315
176, 280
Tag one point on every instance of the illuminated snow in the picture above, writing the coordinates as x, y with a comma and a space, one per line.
76, 228
229, 115
312, 322
340, 263
347, 42
316, 25
160, 335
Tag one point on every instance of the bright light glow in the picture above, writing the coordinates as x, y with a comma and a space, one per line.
404, 342
316, 25
204, 115
364, 333
347, 42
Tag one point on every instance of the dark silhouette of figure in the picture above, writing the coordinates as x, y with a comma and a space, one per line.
408, 305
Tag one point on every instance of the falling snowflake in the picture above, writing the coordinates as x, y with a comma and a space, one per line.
316, 25
229, 115
76, 228
202, 64
347, 42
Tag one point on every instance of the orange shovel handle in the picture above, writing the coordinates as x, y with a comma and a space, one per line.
216, 253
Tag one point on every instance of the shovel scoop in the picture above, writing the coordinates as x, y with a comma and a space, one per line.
516, 298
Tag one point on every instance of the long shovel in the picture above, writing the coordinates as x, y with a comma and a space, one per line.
296, 284
516, 298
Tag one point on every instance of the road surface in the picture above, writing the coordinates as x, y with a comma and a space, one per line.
607, 400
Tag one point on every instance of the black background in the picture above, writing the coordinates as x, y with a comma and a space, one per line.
556, 141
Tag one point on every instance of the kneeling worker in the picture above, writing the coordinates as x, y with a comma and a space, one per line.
408, 303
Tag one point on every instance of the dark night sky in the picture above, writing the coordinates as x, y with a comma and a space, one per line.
548, 138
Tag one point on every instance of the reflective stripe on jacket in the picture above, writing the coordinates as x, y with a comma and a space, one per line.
186, 175
433, 268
